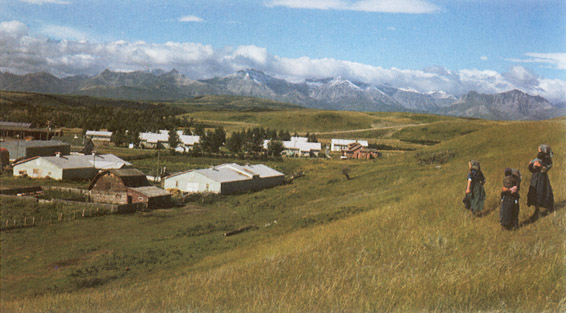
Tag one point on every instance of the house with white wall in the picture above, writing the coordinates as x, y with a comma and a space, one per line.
161, 140
341, 144
62, 167
99, 135
298, 147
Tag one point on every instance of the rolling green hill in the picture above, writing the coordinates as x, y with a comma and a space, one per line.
394, 238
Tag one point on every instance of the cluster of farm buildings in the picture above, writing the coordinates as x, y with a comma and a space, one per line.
295, 147
114, 180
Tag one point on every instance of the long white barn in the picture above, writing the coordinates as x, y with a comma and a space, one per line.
225, 179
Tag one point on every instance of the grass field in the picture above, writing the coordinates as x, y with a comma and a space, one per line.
394, 238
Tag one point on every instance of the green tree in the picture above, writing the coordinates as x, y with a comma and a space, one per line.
274, 148
212, 141
118, 137
173, 139
254, 141
235, 142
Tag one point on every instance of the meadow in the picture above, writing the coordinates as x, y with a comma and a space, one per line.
393, 238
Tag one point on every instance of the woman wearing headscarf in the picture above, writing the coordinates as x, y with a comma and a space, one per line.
540, 192
509, 212
475, 193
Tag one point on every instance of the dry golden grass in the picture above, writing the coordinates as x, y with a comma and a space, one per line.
415, 249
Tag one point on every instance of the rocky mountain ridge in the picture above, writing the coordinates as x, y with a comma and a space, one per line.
334, 93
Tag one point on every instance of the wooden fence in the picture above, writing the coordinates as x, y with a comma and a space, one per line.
83, 210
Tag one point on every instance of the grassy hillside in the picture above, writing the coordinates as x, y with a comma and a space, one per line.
317, 121
232, 103
394, 238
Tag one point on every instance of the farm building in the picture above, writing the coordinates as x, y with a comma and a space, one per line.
340, 144
124, 186
355, 150
298, 147
24, 130
225, 179
99, 135
61, 167
26, 149
161, 140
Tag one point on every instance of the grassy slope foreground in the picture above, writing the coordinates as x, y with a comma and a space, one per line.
394, 238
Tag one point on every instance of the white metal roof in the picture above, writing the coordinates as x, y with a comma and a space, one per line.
154, 137
98, 133
298, 145
189, 140
163, 136
231, 172
345, 142
102, 161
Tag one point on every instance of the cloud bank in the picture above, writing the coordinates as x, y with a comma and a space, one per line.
22, 53
384, 6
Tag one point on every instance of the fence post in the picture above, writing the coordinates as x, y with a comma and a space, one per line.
83, 213
33, 221
14, 222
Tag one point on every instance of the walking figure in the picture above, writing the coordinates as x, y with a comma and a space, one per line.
475, 193
540, 192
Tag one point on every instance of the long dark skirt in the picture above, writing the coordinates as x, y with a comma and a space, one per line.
540, 192
476, 198
509, 213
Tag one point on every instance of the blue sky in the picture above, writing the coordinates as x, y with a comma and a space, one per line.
484, 45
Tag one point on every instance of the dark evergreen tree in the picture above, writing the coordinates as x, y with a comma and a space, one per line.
274, 148
236, 142
173, 139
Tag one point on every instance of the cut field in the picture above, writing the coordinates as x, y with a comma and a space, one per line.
394, 238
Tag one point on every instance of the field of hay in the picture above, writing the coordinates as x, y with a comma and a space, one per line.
394, 238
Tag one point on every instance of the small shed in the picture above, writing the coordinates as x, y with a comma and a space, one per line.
227, 178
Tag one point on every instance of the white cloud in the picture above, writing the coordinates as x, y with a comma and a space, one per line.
191, 18
484, 58
45, 1
385, 6
22, 53
554, 60
63, 32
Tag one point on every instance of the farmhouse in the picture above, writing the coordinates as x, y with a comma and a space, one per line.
154, 140
99, 135
26, 149
340, 144
161, 140
124, 186
298, 147
225, 179
187, 142
61, 167
356, 151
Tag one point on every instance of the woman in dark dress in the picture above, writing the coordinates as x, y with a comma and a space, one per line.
475, 193
509, 213
540, 192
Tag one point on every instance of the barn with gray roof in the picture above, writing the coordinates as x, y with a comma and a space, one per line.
227, 178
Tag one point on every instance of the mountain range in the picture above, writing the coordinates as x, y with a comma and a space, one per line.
334, 93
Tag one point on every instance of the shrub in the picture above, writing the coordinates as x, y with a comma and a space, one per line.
434, 157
